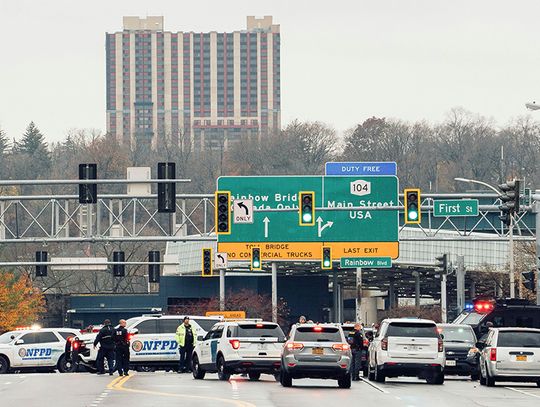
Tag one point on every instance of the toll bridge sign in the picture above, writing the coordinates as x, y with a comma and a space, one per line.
350, 233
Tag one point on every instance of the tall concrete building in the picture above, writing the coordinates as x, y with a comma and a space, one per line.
200, 90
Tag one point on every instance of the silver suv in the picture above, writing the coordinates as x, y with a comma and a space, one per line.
510, 354
316, 351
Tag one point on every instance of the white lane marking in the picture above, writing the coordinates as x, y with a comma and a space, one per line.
523, 392
235, 393
375, 386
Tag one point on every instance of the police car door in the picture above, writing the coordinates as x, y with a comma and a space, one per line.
38, 349
144, 345
167, 345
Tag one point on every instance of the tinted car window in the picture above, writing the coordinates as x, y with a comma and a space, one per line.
29, 338
317, 334
410, 329
65, 334
458, 334
216, 334
259, 331
206, 324
46, 337
519, 339
148, 327
168, 326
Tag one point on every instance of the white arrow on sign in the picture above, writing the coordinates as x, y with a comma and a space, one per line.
221, 261
266, 222
320, 227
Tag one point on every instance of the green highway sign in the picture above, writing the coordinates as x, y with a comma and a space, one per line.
455, 207
367, 262
354, 233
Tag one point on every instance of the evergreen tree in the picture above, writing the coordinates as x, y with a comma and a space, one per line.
4, 143
32, 142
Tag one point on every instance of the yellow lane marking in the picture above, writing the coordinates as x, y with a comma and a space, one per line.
118, 384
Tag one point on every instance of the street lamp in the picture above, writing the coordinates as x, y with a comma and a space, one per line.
474, 181
510, 234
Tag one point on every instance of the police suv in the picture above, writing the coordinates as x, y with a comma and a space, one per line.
153, 342
251, 347
40, 349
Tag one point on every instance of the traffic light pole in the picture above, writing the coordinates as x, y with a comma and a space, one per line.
460, 283
274, 292
222, 289
443, 296
511, 257
536, 208
358, 294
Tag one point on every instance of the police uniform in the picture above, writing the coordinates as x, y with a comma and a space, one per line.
121, 341
106, 348
356, 341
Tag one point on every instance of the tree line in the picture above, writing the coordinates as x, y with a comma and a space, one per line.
428, 155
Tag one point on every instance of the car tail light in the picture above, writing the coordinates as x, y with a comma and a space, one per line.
441, 345
295, 346
259, 325
130, 337
341, 347
384, 344
493, 354
317, 328
366, 343
235, 343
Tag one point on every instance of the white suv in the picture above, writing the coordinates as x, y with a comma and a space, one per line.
153, 342
239, 347
35, 349
407, 347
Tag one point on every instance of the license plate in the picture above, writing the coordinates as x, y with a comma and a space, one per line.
412, 348
317, 351
521, 358
262, 346
450, 363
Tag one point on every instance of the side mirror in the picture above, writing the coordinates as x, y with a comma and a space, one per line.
480, 345
134, 331
19, 342
12, 337
200, 338
442, 336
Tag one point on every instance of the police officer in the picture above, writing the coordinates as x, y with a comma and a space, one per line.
187, 339
121, 342
356, 341
105, 338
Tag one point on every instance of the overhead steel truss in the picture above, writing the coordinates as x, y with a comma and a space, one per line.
122, 217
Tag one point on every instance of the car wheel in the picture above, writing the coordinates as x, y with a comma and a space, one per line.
198, 372
490, 381
254, 376
344, 382
371, 374
65, 365
435, 378
222, 371
4, 365
286, 379
147, 369
482, 379
379, 375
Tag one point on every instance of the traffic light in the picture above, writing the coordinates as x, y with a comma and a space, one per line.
326, 263
207, 263
413, 214
307, 208
119, 270
510, 200
529, 280
153, 269
442, 262
41, 270
167, 190
87, 192
256, 263
223, 212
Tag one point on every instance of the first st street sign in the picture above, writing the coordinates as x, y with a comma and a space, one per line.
350, 233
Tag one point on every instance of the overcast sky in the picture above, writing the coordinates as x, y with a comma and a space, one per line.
342, 61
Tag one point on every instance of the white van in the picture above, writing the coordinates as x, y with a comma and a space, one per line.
153, 342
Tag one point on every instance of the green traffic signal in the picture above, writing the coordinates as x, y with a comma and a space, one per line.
256, 258
307, 208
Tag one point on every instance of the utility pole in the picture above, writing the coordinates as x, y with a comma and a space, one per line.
358, 294
442, 264
460, 282
536, 209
